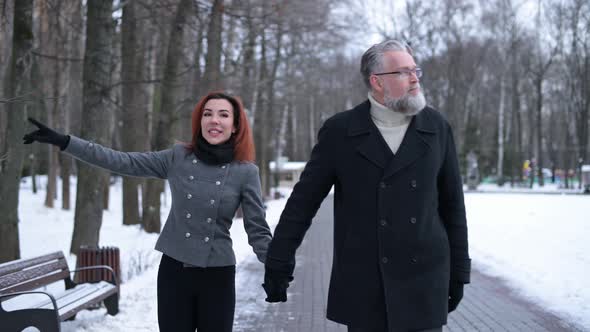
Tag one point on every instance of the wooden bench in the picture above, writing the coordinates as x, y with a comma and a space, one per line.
20, 280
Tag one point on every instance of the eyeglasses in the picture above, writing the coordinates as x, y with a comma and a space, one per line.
403, 74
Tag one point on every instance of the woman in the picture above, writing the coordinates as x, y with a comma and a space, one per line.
209, 178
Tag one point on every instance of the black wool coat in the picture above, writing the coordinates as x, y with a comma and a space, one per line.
400, 231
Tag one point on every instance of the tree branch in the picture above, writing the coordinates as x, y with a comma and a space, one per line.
55, 57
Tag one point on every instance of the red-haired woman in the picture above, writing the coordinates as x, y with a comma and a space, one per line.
209, 178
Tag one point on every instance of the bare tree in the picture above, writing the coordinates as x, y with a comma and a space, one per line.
133, 135
540, 64
6, 32
212, 75
70, 117
95, 122
577, 72
171, 99
13, 151
162, 18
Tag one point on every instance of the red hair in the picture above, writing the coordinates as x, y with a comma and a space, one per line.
243, 141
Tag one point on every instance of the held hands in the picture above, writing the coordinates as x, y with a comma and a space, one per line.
455, 294
275, 287
46, 135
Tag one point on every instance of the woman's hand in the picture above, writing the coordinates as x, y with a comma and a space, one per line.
46, 135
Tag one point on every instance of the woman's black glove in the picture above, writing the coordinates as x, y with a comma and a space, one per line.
275, 286
455, 294
46, 135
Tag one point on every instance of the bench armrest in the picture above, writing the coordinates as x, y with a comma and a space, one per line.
10, 295
97, 267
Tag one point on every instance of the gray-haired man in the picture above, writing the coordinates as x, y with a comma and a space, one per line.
400, 233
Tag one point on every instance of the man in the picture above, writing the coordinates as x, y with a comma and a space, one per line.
400, 243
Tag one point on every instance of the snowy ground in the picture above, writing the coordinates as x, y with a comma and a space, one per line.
537, 243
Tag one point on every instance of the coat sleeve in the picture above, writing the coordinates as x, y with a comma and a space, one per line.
451, 208
139, 164
314, 184
255, 224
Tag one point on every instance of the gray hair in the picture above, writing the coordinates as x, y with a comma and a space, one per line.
372, 59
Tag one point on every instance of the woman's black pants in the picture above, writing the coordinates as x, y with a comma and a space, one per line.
198, 298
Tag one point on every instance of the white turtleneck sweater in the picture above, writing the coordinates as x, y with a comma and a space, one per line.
392, 125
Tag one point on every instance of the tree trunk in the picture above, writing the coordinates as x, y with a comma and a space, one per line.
249, 64
229, 47
95, 124
274, 112
6, 33
500, 165
212, 75
261, 122
170, 98
47, 33
73, 106
539, 124
13, 153
106, 192
132, 137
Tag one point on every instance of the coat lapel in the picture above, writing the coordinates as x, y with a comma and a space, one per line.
372, 145
419, 138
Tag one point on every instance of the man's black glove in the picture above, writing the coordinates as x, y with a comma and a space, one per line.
46, 135
275, 286
455, 294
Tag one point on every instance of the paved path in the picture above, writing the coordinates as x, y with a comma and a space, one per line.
488, 304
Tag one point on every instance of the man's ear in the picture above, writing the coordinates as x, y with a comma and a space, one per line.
375, 83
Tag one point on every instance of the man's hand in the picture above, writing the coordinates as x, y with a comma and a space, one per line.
275, 287
46, 135
455, 294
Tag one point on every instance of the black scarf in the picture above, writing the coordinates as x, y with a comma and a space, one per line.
215, 154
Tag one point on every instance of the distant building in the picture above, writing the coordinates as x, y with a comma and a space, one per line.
288, 171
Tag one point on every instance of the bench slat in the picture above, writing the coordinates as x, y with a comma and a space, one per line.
20, 264
67, 310
81, 290
34, 277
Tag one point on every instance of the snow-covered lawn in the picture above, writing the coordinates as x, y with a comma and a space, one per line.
538, 243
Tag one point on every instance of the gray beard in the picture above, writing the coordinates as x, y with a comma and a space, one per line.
408, 105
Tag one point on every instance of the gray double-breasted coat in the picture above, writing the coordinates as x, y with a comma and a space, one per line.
204, 200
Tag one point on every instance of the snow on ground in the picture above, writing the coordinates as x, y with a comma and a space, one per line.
537, 243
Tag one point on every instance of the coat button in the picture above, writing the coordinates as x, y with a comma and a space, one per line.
414, 260
206, 239
90, 144
413, 220
413, 184
382, 185
223, 166
212, 201
217, 182
383, 222
191, 177
209, 220
384, 260
187, 235
188, 216
189, 196
194, 161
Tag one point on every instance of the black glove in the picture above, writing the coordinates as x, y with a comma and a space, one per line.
46, 135
455, 294
275, 286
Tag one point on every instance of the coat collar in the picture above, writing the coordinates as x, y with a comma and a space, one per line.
418, 139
